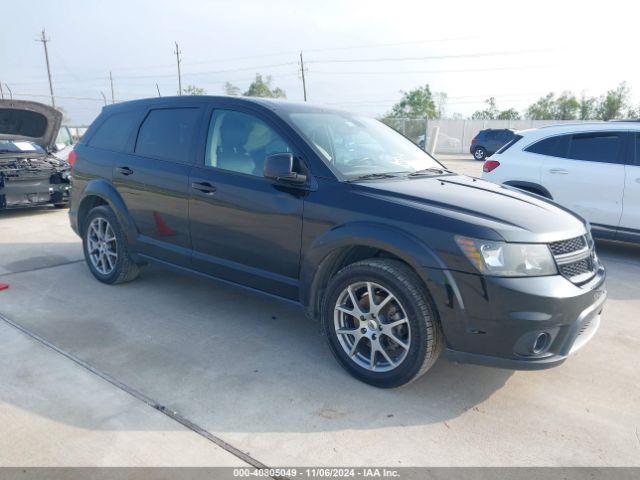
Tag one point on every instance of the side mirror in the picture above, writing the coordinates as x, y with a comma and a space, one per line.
279, 166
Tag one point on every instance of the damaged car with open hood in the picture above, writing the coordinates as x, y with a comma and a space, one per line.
30, 172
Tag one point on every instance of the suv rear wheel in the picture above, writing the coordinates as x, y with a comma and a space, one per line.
380, 322
105, 247
479, 153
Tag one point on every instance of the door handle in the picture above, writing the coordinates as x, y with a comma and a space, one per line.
124, 170
204, 187
558, 171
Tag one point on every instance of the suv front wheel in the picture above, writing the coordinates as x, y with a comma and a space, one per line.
105, 248
380, 322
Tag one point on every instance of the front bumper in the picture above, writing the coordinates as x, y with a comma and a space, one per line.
33, 191
496, 321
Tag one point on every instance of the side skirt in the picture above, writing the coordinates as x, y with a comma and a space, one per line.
163, 263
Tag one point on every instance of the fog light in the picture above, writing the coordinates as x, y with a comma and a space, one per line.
541, 343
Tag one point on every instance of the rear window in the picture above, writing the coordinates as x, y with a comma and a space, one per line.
507, 146
167, 133
115, 131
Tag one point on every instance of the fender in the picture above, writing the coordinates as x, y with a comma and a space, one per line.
107, 192
320, 257
529, 185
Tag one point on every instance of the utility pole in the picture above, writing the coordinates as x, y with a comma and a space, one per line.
43, 38
8, 88
177, 52
304, 83
113, 100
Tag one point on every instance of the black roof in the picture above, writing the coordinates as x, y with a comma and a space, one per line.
274, 104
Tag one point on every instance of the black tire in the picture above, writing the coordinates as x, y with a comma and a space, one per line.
480, 154
426, 339
125, 269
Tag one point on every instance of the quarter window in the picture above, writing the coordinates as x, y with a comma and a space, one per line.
552, 147
115, 131
167, 133
240, 142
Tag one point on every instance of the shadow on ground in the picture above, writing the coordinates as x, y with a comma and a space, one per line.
226, 359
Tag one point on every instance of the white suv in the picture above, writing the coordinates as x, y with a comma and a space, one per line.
590, 168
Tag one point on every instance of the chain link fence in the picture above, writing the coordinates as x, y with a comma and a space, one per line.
454, 136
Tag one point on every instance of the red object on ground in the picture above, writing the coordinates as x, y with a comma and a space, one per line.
4, 286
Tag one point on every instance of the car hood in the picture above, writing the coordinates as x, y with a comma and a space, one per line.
31, 121
514, 215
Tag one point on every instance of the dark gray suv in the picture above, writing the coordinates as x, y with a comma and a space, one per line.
489, 141
397, 257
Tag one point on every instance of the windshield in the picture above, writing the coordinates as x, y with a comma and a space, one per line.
19, 146
360, 146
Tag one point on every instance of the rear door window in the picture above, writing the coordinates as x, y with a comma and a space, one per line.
115, 131
167, 134
605, 147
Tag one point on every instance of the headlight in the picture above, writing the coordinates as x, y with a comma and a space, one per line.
508, 259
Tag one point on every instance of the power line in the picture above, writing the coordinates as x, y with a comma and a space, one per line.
396, 44
412, 72
430, 57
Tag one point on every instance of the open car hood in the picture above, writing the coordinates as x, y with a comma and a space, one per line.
31, 121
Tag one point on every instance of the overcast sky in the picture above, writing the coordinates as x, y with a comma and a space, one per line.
515, 51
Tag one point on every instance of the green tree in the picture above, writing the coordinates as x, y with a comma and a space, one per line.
615, 103
511, 114
543, 109
262, 88
193, 90
567, 107
587, 109
416, 103
489, 113
231, 89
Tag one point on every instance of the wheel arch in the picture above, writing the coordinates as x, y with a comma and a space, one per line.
100, 192
347, 244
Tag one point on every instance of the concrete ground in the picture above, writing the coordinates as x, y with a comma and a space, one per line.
254, 373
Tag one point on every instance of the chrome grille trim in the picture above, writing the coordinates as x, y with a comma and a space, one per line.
575, 258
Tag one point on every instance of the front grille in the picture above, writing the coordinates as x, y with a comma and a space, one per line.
580, 267
567, 246
575, 259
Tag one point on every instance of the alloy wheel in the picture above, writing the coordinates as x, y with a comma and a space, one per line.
102, 245
372, 326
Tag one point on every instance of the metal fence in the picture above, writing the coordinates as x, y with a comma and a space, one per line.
454, 136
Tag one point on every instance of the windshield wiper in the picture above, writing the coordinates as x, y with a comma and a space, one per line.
430, 171
372, 176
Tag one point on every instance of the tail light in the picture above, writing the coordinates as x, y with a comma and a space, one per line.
474, 140
490, 165
72, 157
